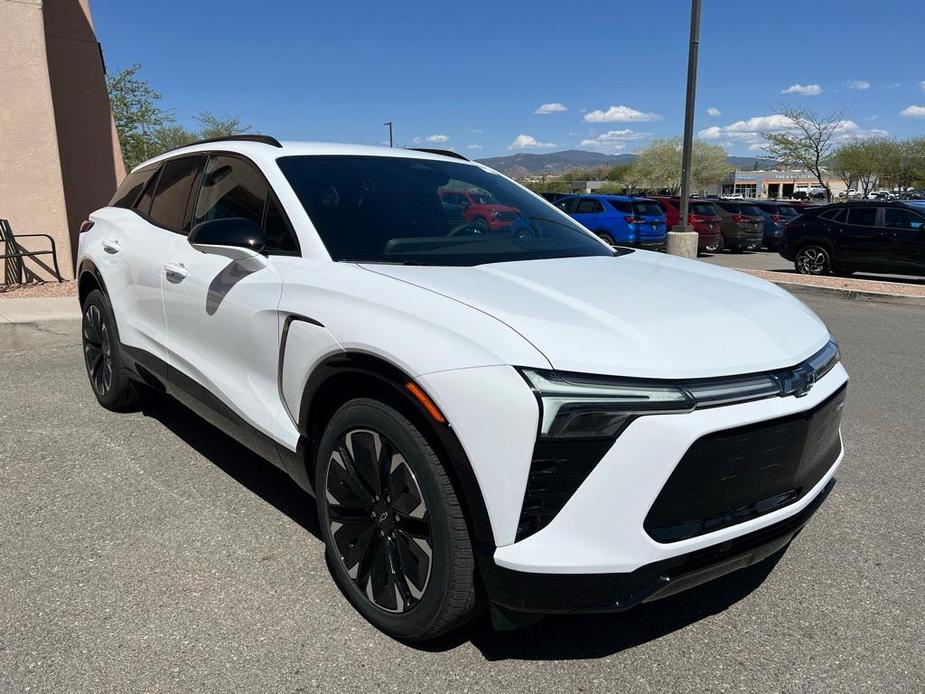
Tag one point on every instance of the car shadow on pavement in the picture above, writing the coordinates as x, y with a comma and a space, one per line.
572, 637
237, 461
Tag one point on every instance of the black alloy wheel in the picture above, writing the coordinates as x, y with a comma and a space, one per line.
813, 260
378, 520
102, 350
97, 345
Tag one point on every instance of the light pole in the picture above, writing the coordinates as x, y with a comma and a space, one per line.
389, 123
682, 240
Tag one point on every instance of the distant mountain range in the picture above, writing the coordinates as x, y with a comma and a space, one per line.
529, 164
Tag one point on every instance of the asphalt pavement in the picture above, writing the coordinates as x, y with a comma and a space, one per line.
149, 552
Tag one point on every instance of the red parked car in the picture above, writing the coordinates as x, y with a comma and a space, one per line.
701, 215
481, 209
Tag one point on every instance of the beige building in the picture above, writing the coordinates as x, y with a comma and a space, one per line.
59, 152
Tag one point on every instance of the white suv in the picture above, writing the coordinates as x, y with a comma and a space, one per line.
523, 416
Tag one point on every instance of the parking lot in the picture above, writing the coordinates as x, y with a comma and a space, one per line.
148, 552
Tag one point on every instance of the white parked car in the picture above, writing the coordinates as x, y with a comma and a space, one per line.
525, 415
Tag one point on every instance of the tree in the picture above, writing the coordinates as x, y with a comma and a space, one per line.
136, 114
808, 141
902, 162
215, 126
146, 130
659, 165
859, 161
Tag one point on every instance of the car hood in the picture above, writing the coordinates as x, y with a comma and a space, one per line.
640, 314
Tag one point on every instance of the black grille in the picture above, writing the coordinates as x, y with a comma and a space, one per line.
557, 470
734, 475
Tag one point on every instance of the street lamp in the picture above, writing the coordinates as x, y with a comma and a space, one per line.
682, 240
389, 123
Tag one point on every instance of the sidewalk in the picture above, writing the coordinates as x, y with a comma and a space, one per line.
846, 288
36, 309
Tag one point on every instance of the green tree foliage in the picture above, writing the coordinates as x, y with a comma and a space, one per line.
808, 142
145, 129
659, 166
859, 162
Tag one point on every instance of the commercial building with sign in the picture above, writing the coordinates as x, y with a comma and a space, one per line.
775, 184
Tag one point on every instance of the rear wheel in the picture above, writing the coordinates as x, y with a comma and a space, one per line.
394, 530
813, 260
103, 356
714, 246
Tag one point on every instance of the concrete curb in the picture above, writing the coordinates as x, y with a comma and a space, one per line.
38, 309
852, 294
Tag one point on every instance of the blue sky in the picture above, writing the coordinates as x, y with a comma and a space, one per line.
471, 76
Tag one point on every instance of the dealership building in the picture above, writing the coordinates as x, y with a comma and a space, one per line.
775, 184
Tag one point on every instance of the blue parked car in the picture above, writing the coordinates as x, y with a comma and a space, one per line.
619, 220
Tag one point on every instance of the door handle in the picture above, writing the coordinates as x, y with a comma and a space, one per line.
176, 270
111, 246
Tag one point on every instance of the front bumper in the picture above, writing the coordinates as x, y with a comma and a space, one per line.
615, 592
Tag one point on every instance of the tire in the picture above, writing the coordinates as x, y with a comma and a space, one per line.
394, 531
103, 356
714, 246
813, 259
606, 238
482, 224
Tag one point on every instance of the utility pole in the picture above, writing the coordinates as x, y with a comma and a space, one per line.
682, 240
389, 123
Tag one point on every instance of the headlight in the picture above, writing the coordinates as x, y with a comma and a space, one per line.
588, 407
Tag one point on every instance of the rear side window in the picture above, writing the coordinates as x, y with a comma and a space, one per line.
567, 205
173, 192
131, 187
644, 209
864, 216
588, 206
623, 207
143, 205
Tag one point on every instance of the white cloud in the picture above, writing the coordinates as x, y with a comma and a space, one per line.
803, 89
894, 85
614, 139
713, 111
477, 131
433, 139
473, 146
922, 85
913, 112
554, 107
620, 114
529, 142
860, 85
757, 147
749, 132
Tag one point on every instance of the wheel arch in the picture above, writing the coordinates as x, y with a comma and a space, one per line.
88, 279
345, 376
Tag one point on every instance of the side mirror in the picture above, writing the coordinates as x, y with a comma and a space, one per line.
234, 237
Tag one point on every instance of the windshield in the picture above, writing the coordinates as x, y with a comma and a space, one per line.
394, 210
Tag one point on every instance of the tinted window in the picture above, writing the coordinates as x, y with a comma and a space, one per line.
749, 210
568, 205
620, 206
130, 188
835, 215
588, 206
902, 219
703, 208
173, 190
231, 187
143, 205
276, 229
786, 211
729, 206
387, 209
864, 216
647, 209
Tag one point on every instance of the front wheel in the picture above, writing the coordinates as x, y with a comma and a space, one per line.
606, 238
813, 260
395, 535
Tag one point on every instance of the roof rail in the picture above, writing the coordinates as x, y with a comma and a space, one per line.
443, 152
263, 139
